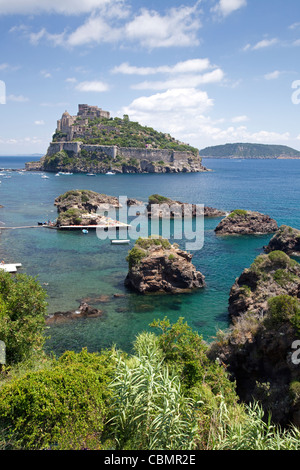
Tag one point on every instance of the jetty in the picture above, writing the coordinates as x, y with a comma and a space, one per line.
10, 268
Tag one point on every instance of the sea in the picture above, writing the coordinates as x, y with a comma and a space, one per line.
73, 266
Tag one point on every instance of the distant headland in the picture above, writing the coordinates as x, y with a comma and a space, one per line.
245, 150
93, 141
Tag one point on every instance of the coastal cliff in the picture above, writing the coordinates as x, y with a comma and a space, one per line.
258, 347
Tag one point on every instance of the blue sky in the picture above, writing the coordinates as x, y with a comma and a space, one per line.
208, 72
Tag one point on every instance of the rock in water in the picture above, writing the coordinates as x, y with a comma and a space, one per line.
242, 222
157, 266
286, 239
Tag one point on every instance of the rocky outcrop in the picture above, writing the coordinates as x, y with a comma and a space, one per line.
79, 207
242, 222
156, 266
286, 239
84, 311
257, 350
164, 207
269, 276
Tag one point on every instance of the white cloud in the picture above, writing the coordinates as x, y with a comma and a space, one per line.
92, 86
39, 123
226, 7
187, 66
94, 30
178, 27
261, 44
239, 118
178, 111
273, 75
55, 39
18, 99
182, 81
66, 7
46, 74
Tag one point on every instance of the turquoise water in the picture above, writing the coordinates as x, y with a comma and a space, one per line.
76, 266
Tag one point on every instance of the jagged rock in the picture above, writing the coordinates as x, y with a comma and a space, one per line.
286, 239
157, 266
257, 349
242, 222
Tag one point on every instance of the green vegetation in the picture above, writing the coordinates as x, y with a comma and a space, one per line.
164, 395
244, 150
70, 216
141, 247
126, 133
284, 308
22, 316
238, 213
62, 406
158, 199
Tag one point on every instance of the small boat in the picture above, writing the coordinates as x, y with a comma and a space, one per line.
45, 177
57, 174
65, 173
110, 173
120, 242
85, 231
90, 174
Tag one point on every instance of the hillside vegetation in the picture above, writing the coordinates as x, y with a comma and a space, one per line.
125, 133
244, 150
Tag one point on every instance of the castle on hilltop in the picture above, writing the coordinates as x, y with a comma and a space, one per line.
71, 127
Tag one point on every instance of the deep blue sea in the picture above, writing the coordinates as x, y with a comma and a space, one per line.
73, 266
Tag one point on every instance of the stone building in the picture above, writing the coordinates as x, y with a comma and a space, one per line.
73, 126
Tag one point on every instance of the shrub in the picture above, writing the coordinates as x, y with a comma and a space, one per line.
61, 407
238, 213
135, 256
22, 316
283, 308
157, 199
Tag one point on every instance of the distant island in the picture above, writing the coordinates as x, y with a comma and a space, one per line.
94, 142
244, 150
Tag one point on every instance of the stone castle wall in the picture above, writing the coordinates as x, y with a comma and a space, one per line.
151, 155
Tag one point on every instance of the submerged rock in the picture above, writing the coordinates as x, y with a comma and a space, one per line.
156, 266
286, 239
83, 311
242, 222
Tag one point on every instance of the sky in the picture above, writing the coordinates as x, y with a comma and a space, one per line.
209, 72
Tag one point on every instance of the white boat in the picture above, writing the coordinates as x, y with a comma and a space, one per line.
57, 174
45, 177
110, 173
65, 173
90, 174
120, 242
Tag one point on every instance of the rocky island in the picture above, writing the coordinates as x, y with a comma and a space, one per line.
286, 239
94, 142
156, 266
162, 206
243, 222
258, 347
80, 207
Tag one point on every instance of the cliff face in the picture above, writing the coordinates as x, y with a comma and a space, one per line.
257, 350
286, 239
157, 266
